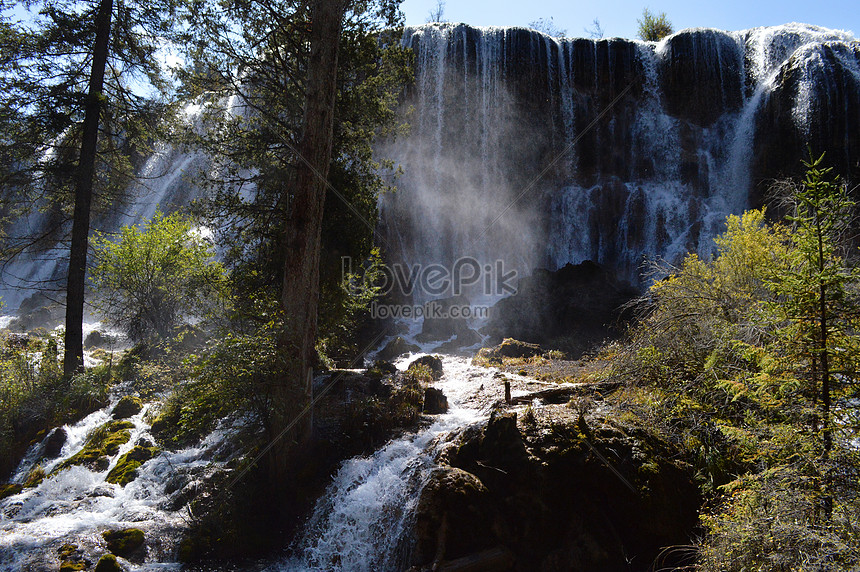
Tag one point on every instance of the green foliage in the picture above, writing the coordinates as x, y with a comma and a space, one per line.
156, 276
231, 376
252, 145
34, 397
653, 27
736, 353
44, 82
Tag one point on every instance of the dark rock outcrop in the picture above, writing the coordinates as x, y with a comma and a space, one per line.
565, 494
571, 309
433, 363
396, 348
435, 401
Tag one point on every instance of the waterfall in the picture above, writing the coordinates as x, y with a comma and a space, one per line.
363, 521
509, 159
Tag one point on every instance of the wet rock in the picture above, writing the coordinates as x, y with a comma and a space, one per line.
102, 491
433, 363
7, 490
72, 558
440, 322
108, 563
97, 339
126, 467
380, 369
127, 542
467, 338
128, 406
435, 401
104, 442
54, 443
453, 517
396, 348
35, 477
702, 93
551, 500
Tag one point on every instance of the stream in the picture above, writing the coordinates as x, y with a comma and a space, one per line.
362, 522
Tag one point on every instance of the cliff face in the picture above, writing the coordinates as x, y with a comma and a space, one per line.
543, 152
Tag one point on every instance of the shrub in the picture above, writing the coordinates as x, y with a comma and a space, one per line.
155, 276
654, 27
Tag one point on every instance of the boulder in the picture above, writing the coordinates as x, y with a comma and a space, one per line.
53, 444
126, 467
452, 517
433, 363
435, 401
96, 339
440, 323
126, 542
127, 407
396, 348
108, 563
464, 339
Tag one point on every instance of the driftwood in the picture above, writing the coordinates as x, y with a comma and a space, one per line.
564, 392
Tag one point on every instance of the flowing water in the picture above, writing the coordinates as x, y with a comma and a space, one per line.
508, 160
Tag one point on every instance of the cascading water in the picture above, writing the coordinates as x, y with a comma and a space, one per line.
76, 504
362, 522
509, 157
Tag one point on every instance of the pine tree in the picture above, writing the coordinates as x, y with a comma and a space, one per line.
78, 84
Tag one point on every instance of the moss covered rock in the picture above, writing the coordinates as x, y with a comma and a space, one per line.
10, 489
35, 477
72, 558
127, 407
108, 563
396, 348
103, 443
125, 542
125, 470
432, 363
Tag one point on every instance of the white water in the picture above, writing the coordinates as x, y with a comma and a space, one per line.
472, 140
362, 522
76, 505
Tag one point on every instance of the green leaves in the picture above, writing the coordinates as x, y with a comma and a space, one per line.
157, 275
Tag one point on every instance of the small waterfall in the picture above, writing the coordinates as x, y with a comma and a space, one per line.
363, 521
76, 504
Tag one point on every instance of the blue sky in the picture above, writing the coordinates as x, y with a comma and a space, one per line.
618, 17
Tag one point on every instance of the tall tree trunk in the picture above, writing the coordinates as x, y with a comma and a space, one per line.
300, 293
73, 361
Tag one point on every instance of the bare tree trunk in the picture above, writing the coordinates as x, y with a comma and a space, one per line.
73, 360
300, 292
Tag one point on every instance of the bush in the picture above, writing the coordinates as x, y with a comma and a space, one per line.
156, 276
654, 27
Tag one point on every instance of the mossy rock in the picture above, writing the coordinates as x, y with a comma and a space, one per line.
104, 442
67, 551
124, 542
396, 348
10, 489
127, 407
432, 363
35, 477
108, 563
125, 470
74, 566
